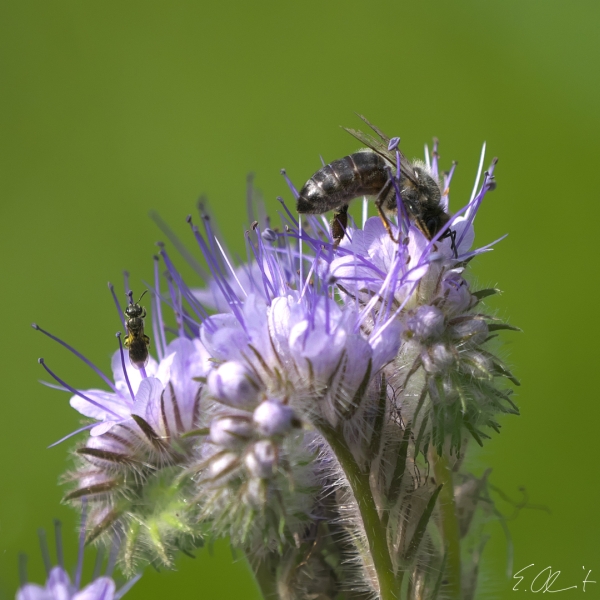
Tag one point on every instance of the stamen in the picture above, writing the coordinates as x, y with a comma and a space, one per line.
112, 556
79, 569
60, 557
393, 144
229, 295
482, 249
179, 246
118, 336
473, 206
211, 238
154, 302
22, 569
117, 304
267, 285
88, 362
44, 549
427, 158
290, 184
230, 267
435, 157
479, 169
379, 294
74, 391
175, 306
121, 592
98, 563
126, 283
403, 213
70, 435
189, 322
287, 210
445, 200
300, 251
268, 260
159, 332
365, 211
250, 197
310, 272
191, 300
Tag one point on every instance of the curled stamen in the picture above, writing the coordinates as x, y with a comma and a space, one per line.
74, 391
88, 362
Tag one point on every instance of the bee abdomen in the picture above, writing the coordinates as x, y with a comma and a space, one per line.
359, 174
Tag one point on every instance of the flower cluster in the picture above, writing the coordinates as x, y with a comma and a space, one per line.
299, 406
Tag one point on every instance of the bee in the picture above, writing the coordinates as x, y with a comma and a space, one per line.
371, 172
136, 341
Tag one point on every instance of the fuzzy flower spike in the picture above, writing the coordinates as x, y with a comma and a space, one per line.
313, 403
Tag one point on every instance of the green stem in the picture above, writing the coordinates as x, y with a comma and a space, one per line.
265, 577
449, 523
389, 584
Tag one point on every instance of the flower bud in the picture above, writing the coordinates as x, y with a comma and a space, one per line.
427, 323
232, 384
230, 432
472, 330
273, 418
456, 295
261, 459
437, 358
223, 465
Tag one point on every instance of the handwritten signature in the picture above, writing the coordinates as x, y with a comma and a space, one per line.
545, 580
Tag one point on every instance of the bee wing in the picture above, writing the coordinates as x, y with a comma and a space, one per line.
378, 131
381, 148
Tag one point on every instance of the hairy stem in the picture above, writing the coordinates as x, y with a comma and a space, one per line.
389, 584
265, 576
449, 523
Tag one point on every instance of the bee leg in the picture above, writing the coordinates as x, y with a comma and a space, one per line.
453, 242
381, 197
451, 233
339, 224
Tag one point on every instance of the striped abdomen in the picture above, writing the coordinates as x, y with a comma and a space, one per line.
359, 174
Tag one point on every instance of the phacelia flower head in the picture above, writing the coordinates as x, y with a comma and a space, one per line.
296, 403
62, 586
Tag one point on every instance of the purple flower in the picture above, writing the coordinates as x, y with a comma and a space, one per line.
185, 360
59, 585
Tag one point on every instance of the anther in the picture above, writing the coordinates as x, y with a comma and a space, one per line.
393, 143
268, 235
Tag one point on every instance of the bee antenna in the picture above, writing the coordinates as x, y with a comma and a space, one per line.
130, 296
143, 294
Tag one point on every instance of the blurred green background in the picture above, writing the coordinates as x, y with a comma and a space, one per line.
111, 109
